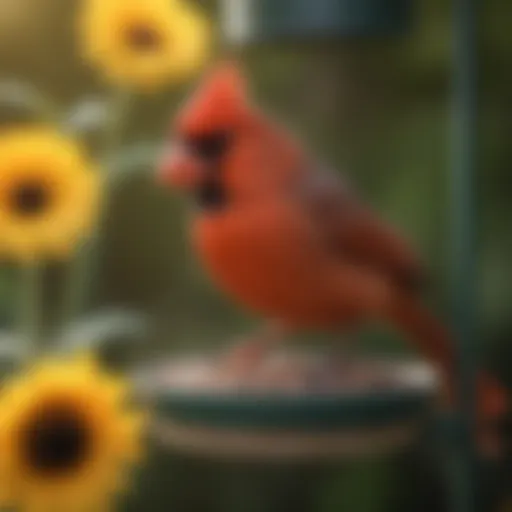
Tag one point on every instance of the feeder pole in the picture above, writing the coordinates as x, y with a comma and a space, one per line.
463, 236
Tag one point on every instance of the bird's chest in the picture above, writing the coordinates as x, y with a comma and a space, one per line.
258, 255
243, 243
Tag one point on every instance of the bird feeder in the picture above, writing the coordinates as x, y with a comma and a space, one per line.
318, 423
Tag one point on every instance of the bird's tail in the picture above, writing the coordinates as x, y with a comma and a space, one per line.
438, 345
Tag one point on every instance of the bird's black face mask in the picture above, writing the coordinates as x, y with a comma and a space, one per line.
211, 148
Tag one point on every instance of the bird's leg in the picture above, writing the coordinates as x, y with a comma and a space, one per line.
335, 363
247, 356
336, 358
341, 354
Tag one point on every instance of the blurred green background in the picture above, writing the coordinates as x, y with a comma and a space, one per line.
378, 109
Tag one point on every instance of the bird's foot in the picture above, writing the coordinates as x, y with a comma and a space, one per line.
245, 358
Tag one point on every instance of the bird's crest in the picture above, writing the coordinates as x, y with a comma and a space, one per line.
220, 102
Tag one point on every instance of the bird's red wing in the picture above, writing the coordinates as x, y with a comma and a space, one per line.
355, 233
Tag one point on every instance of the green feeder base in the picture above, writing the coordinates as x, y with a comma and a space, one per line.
306, 425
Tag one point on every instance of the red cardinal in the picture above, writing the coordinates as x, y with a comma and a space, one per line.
289, 239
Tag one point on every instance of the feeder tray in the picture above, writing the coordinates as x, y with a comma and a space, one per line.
369, 407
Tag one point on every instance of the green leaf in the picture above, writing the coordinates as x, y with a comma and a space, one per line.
87, 116
131, 161
112, 334
23, 97
13, 352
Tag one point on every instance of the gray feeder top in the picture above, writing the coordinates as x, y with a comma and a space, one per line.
252, 21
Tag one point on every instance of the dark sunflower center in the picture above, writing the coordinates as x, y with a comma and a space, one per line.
30, 199
143, 38
58, 440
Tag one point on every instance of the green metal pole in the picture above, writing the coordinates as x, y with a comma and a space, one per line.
464, 270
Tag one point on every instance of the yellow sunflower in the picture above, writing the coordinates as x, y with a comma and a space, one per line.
144, 44
68, 438
48, 193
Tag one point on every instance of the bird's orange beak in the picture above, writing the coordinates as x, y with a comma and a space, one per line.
180, 169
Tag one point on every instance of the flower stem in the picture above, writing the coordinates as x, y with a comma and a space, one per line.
30, 308
120, 107
79, 278
76, 285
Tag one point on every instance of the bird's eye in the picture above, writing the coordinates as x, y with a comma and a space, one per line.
210, 146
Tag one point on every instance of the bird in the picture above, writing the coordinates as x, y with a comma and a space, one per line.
289, 238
